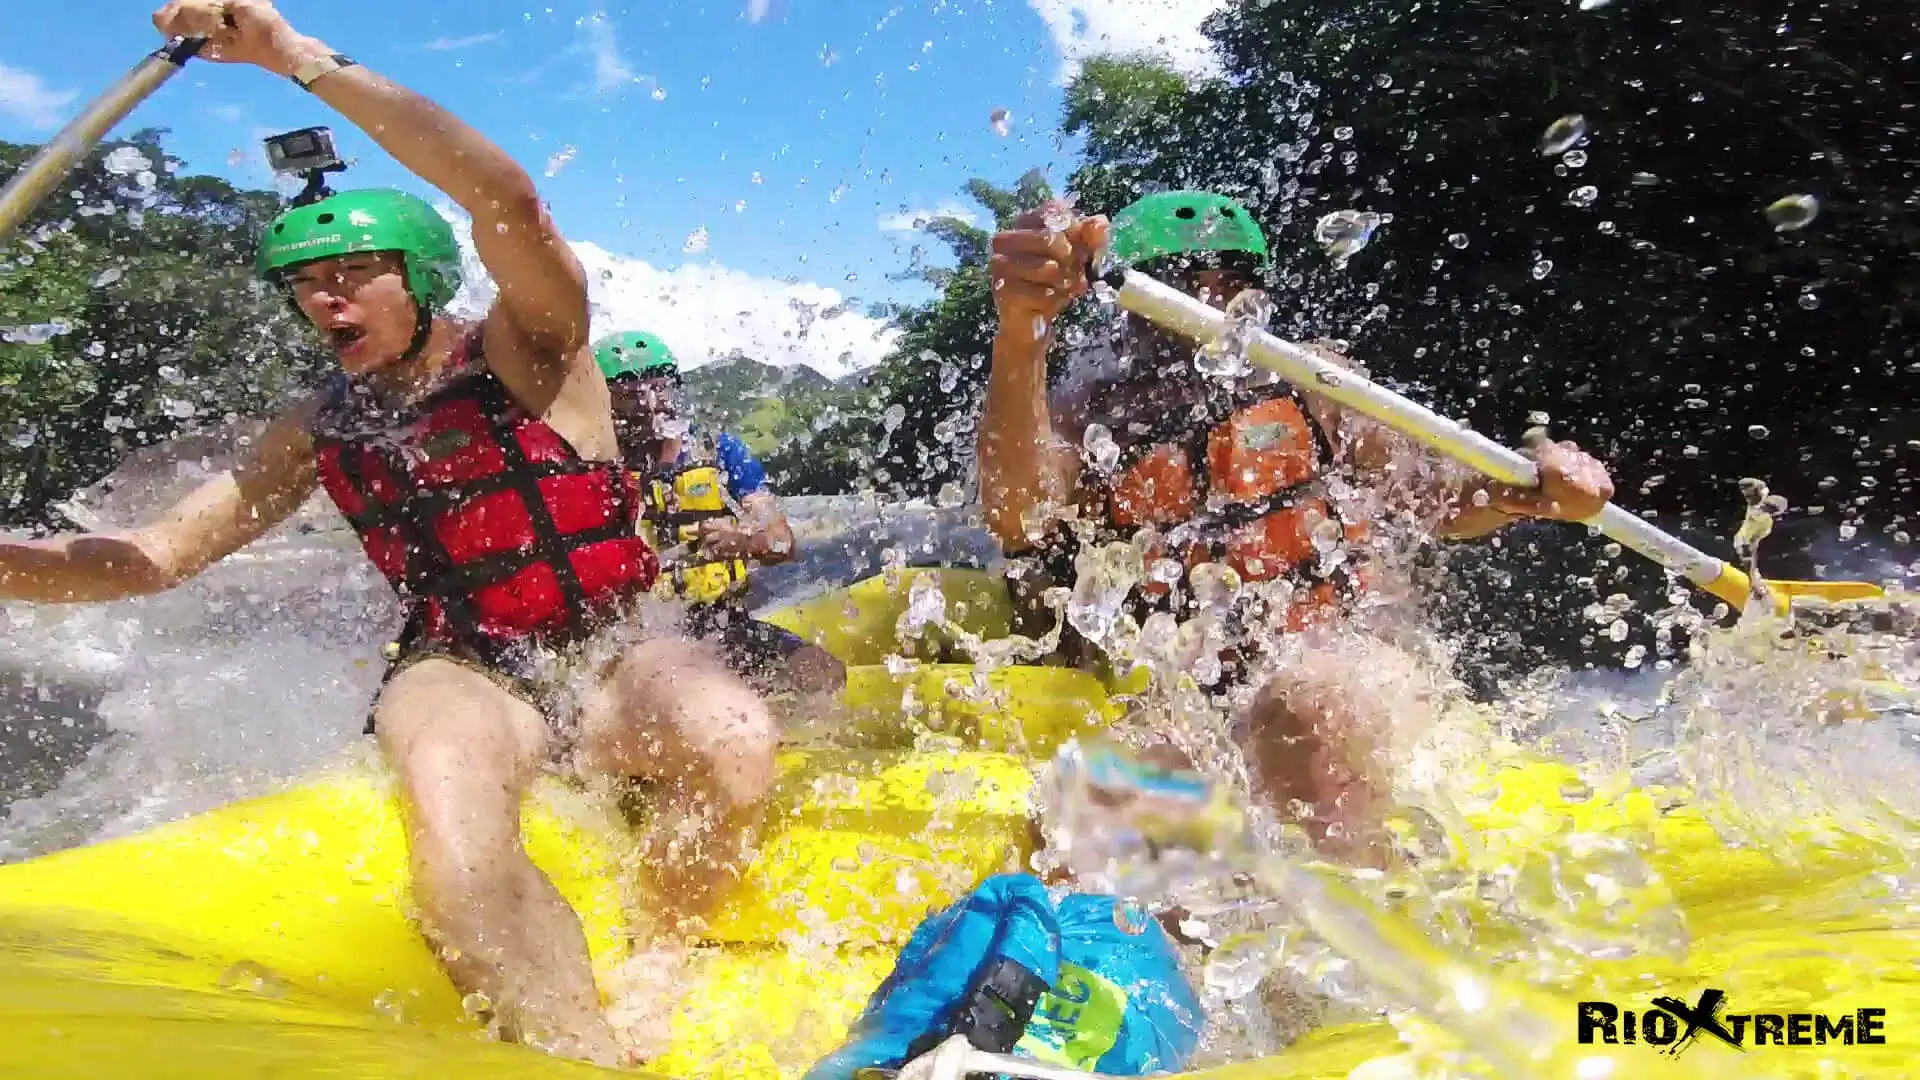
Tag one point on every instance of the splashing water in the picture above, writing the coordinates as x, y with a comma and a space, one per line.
1225, 357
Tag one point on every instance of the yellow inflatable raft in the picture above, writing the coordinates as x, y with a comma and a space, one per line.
271, 938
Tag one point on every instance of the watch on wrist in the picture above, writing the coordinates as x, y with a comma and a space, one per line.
305, 75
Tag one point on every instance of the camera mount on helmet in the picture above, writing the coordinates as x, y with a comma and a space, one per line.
309, 154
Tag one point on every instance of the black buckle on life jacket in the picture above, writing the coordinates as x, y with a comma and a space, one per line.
994, 1012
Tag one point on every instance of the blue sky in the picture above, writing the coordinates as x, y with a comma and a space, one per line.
789, 130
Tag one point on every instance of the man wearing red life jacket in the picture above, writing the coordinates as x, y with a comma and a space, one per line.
478, 466
1241, 475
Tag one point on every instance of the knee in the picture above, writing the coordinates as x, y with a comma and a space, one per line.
734, 733
723, 729
817, 671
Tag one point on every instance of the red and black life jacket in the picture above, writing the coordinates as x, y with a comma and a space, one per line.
485, 521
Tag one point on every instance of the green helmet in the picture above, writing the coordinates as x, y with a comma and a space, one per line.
635, 353
1180, 222
372, 219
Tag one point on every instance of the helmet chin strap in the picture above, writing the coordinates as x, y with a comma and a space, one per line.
422, 330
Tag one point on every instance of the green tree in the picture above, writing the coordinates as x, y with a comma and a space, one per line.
916, 435
128, 314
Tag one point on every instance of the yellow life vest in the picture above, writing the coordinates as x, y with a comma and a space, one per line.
677, 501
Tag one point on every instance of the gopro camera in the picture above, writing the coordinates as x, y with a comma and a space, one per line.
298, 153
309, 154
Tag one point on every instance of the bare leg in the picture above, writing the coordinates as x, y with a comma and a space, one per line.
671, 712
466, 750
1321, 732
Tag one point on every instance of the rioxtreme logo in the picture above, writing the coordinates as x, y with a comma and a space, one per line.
1673, 1025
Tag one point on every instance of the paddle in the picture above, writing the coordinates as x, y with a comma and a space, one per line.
1173, 310
58, 157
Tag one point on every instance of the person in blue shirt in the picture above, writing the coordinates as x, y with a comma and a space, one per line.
710, 514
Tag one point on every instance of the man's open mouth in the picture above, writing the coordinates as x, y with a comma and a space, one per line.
345, 337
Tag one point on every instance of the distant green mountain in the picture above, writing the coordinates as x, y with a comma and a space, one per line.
764, 405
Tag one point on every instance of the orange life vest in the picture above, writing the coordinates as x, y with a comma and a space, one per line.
1235, 495
479, 514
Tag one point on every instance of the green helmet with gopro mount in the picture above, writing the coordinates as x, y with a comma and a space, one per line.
368, 220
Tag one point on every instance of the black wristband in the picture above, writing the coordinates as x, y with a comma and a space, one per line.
314, 69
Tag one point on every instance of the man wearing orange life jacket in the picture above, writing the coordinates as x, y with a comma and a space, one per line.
1226, 471
479, 467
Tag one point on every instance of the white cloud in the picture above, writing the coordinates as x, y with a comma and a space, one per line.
707, 312
229, 113
610, 69
910, 220
1169, 29
453, 44
25, 97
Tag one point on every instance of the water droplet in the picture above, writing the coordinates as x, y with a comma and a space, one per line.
1458, 240
1383, 80
1132, 916
1539, 418
23, 437
1792, 212
1344, 233
1574, 159
1584, 195
1809, 300
1593, 5
839, 192
895, 415
1343, 133
1102, 452
477, 1005
1562, 134
108, 276
926, 605
1002, 122
1607, 228
659, 93
1758, 431
697, 241
1542, 268
1326, 536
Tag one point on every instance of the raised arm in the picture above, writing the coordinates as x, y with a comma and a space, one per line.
542, 286
213, 521
1024, 465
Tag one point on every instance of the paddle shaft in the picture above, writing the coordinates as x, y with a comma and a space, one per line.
1174, 310
58, 157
